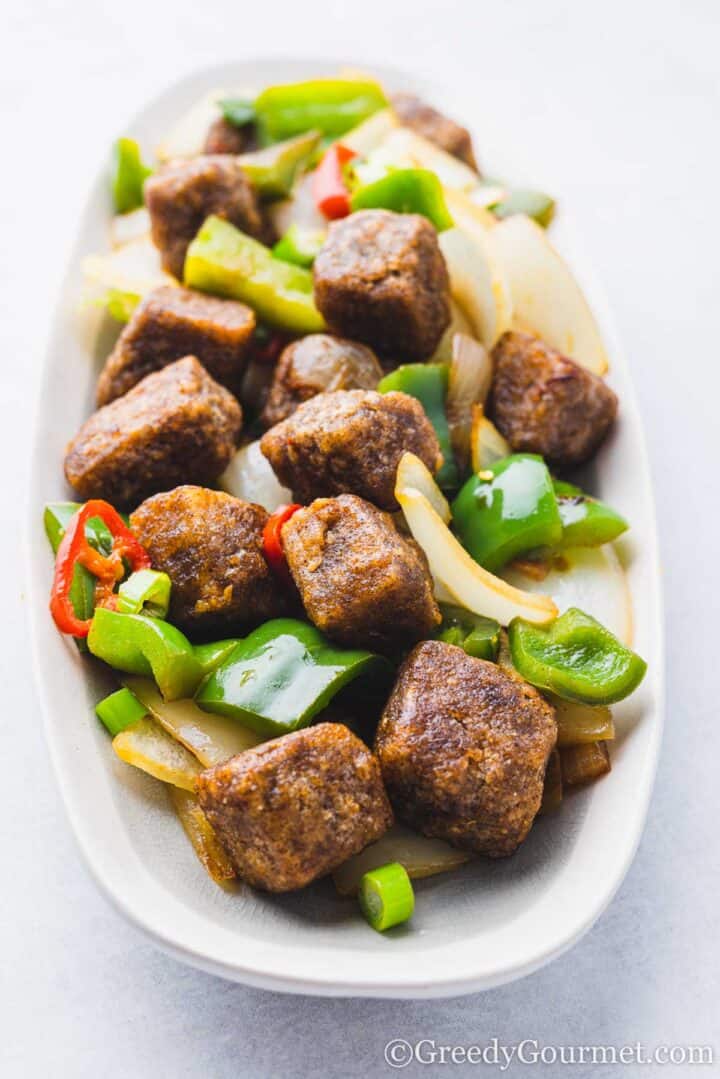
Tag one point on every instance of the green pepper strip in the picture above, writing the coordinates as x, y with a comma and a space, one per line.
476, 635
225, 261
575, 657
120, 710
331, 106
128, 176
145, 592
273, 170
586, 522
406, 191
282, 675
139, 645
82, 590
212, 654
511, 511
299, 246
428, 382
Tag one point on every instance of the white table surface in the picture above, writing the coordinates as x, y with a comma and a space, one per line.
623, 104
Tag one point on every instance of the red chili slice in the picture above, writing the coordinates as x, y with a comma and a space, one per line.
75, 550
330, 191
272, 540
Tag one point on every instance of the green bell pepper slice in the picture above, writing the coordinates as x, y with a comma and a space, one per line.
282, 675
331, 106
507, 510
137, 644
475, 634
273, 170
147, 591
541, 208
224, 261
120, 710
586, 522
128, 175
406, 191
575, 657
211, 654
299, 246
82, 590
428, 382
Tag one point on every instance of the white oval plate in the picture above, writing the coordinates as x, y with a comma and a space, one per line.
485, 924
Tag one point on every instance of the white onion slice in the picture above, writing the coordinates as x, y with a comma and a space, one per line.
590, 578
250, 476
487, 445
422, 857
546, 299
469, 585
470, 379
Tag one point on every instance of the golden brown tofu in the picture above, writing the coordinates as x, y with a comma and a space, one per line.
463, 748
176, 426
293, 809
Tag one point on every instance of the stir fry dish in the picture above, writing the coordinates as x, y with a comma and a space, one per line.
327, 528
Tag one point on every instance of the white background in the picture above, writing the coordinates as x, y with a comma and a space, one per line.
617, 101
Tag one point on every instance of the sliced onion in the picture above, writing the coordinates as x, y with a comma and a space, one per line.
147, 746
468, 584
299, 209
250, 476
459, 323
546, 299
124, 228
122, 277
210, 738
470, 379
422, 857
202, 836
487, 445
368, 135
590, 578
476, 282
411, 472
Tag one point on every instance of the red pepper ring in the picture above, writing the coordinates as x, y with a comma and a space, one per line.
74, 549
272, 541
329, 189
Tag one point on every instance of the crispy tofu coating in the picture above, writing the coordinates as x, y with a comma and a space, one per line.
174, 322
175, 426
297, 807
316, 364
181, 194
381, 278
415, 113
544, 402
360, 581
350, 441
210, 545
463, 746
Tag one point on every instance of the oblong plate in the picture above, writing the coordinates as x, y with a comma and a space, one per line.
486, 924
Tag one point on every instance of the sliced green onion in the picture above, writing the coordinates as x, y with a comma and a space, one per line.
120, 710
145, 592
386, 896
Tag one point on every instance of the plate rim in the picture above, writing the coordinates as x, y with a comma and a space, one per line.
296, 978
